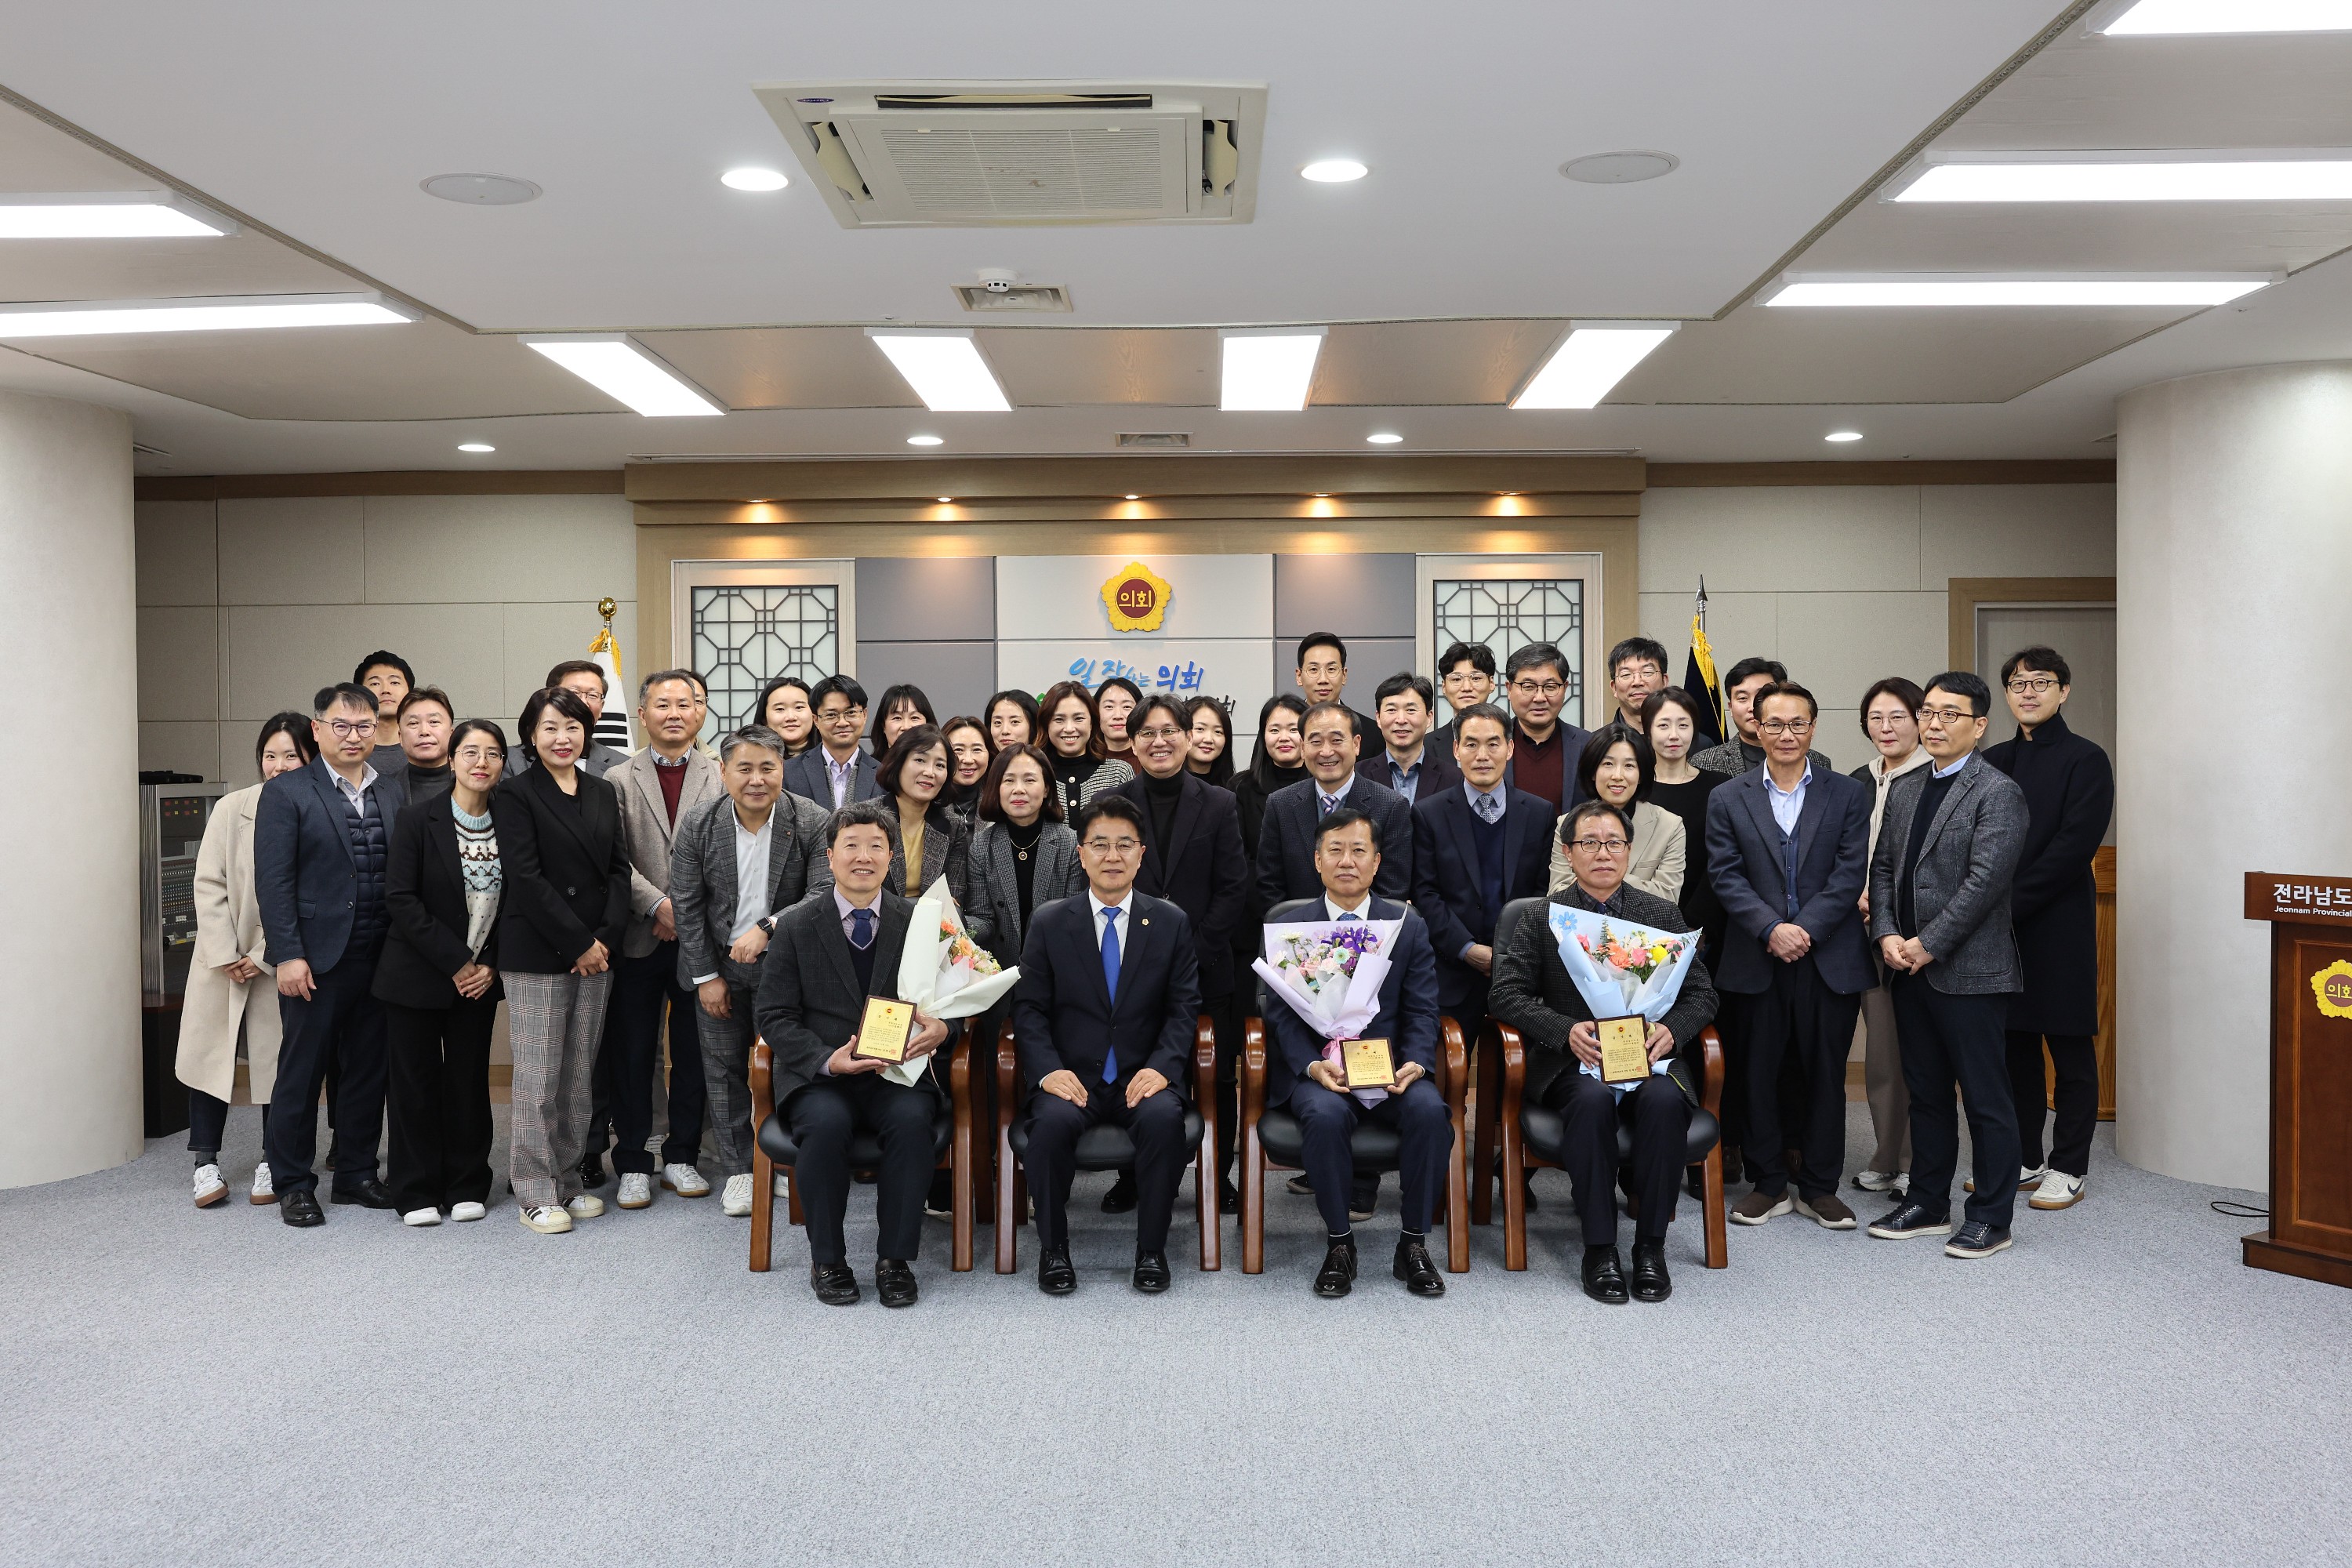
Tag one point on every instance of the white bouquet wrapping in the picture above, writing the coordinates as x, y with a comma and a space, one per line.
943, 971
1329, 972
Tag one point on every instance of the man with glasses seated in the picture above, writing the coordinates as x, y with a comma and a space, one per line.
1104, 1020
1544, 749
1533, 993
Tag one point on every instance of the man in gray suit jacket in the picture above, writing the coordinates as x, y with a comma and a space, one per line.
726, 920
1949, 846
1745, 749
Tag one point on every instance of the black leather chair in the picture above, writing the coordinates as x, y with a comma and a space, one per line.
1531, 1135
1271, 1138
773, 1147
1106, 1149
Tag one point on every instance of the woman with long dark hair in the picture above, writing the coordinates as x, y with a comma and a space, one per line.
928, 841
1280, 759
1212, 729
901, 708
1615, 768
1083, 768
967, 752
1115, 698
1012, 720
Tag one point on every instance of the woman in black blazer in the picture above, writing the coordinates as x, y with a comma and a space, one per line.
560, 920
438, 981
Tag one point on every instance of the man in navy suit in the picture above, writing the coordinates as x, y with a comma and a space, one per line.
1413, 761
837, 771
320, 838
1286, 844
1104, 1020
1789, 845
1348, 860
1476, 846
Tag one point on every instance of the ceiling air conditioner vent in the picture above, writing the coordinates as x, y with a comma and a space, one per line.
1154, 439
971, 155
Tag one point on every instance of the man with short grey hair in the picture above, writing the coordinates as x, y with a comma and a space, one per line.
737, 862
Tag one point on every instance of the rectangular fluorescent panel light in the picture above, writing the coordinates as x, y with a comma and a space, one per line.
1592, 358
110, 214
2295, 175
945, 369
1268, 371
2154, 16
91, 318
1986, 289
615, 366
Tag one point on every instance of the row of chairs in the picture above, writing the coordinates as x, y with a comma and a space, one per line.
1525, 1137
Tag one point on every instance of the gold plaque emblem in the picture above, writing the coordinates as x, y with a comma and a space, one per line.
2333, 988
1136, 598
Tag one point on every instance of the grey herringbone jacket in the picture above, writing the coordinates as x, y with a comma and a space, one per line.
1960, 885
702, 876
995, 917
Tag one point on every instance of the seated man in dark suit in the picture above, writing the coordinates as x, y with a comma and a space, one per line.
1476, 846
1348, 860
830, 954
1104, 1018
1534, 995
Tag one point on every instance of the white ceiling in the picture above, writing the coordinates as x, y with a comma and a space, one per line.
319, 121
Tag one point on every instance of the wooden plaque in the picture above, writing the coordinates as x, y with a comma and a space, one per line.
1366, 1064
1625, 1049
882, 1033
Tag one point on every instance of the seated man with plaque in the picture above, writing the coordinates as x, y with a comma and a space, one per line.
1382, 1071
850, 1058
1104, 1021
1598, 1069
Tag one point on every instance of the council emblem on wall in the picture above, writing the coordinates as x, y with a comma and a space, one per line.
1136, 598
2333, 988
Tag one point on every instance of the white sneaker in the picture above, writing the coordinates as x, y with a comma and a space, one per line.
587, 1206
736, 1201
2028, 1178
547, 1219
421, 1217
264, 1190
211, 1186
636, 1192
1876, 1180
460, 1213
2059, 1190
685, 1181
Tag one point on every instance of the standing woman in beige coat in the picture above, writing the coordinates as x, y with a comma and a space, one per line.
1617, 766
228, 984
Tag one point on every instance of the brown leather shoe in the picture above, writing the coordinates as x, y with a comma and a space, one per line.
1757, 1207
1826, 1211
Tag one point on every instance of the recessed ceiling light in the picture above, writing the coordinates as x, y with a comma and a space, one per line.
1619, 168
753, 179
615, 366
1268, 371
944, 501
110, 214
222, 313
476, 447
480, 190
1333, 171
1383, 438
2309, 175
1994, 290
926, 440
2149, 16
944, 368
1135, 498
1842, 435
1592, 358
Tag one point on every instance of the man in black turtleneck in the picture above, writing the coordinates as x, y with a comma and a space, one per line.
1192, 858
425, 720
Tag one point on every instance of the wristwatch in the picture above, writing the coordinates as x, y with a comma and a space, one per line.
767, 925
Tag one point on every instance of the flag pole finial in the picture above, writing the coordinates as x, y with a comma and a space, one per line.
608, 606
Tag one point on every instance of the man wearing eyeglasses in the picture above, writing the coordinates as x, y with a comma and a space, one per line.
1745, 749
1104, 1020
319, 840
1544, 749
1949, 846
2069, 794
1788, 846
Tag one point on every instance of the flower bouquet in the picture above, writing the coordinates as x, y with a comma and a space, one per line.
1621, 968
1329, 972
943, 971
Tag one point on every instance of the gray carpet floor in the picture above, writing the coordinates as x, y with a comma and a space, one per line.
213, 1388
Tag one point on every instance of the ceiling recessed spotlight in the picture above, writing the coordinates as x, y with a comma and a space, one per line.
944, 501
1594, 357
752, 179
2080, 290
1842, 435
476, 447
1619, 168
1322, 495
1383, 438
1135, 498
480, 190
1333, 171
2148, 17
110, 214
233, 312
1268, 371
621, 369
926, 440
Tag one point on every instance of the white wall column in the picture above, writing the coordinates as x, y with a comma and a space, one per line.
69, 1099
2233, 587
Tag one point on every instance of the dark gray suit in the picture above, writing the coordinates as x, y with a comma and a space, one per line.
1286, 844
805, 775
995, 917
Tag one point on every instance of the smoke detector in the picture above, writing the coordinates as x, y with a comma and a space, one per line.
999, 290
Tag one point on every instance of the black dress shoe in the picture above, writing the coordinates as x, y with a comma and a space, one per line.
1337, 1274
1651, 1281
1054, 1275
1413, 1266
1363, 1197
369, 1194
835, 1284
591, 1170
1151, 1275
1122, 1198
1604, 1276
894, 1282
1229, 1196
300, 1209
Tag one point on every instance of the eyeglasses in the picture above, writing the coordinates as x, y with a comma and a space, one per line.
2037, 684
350, 729
1601, 846
1159, 732
1122, 846
1945, 715
1785, 726
1539, 689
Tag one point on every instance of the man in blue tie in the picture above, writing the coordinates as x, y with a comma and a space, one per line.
1104, 1020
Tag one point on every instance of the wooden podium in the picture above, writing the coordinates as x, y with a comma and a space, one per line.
2310, 1076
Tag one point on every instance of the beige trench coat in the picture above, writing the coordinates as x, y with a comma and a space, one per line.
1660, 851
228, 924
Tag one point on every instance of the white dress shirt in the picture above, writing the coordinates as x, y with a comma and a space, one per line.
1102, 928
1362, 909
751, 880
356, 793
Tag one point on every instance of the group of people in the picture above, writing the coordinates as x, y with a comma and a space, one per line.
398, 871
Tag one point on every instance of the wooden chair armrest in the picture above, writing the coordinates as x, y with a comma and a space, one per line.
1515, 1073
1204, 1065
762, 1083
959, 1072
1453, 1063
1007, 1065
1710, 1046
1253, 1072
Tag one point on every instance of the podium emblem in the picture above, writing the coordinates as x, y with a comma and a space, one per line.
2333, 988
1136, 598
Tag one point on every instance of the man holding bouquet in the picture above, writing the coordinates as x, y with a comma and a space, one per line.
1305, 1068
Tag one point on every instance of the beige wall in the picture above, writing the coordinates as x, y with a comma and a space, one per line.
1845, 584
249, 607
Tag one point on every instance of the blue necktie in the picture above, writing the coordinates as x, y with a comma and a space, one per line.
1110, 983
861, 933
1347, 915
1330, 804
